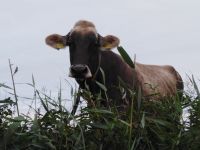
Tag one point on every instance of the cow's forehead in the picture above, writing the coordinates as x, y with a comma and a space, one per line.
84, 23
84, 27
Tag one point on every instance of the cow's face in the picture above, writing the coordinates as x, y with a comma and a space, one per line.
85, 45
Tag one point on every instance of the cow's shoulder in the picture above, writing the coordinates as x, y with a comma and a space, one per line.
155, 69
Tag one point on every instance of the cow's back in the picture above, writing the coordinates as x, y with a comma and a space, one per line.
160, 80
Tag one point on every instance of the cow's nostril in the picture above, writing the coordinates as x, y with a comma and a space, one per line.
85, 70
78, 69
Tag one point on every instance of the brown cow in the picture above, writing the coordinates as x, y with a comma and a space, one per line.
89, 52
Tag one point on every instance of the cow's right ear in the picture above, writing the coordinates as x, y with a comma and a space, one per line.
56, 41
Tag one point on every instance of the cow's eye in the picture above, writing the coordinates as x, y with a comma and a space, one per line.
97, 42
70, 42
94, 43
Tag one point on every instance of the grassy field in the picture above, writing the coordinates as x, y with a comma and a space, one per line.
148, 125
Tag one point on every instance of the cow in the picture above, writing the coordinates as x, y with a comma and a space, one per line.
90, 53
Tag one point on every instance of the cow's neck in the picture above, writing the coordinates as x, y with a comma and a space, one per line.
98, 67
114, 69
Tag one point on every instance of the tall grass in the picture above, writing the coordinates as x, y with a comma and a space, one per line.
155, 125
145, 125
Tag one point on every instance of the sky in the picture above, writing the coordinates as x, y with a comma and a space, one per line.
158, 31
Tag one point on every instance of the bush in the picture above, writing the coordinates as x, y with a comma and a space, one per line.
148, 125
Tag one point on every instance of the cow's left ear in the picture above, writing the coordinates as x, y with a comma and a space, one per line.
109, 42
56, 41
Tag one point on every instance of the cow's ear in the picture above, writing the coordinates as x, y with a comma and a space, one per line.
56, 41
108, 42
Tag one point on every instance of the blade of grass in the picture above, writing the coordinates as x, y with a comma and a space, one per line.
195, 86
5, 86
131, 124
42, 101
14, 88
125, 57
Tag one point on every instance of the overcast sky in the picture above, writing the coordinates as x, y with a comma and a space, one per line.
157, 31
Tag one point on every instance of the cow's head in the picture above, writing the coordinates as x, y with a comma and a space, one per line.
85, 45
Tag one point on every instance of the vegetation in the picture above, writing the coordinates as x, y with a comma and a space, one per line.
148, 125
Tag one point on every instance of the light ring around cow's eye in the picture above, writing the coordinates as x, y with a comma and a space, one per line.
97, 43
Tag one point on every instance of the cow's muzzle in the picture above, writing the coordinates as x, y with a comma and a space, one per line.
80, 71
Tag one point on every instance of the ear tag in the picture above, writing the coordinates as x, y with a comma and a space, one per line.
59, 45
107, 46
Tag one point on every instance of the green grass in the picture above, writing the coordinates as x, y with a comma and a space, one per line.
155, 125
145, 125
